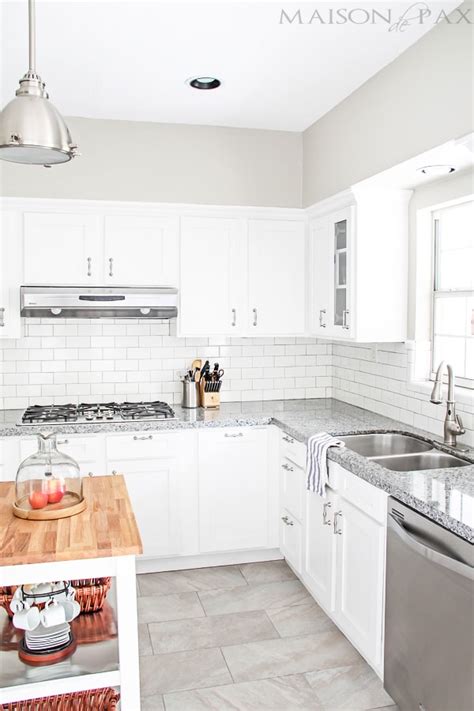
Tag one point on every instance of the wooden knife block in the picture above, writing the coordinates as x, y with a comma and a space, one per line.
210, 401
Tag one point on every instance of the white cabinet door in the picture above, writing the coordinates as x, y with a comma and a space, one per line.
62, 248
291, 540
277, 277
234, 489
213, 277
88, 451
9, 458
341, 226
360, 573
10, 273
322, 278
320, 547
151, 486
141, 250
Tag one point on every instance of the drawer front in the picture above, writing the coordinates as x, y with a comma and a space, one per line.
294, 450
364, 496
292, 488
291, 540
141, 445
231, 434
81, 449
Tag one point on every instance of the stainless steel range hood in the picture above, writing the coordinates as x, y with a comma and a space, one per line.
99, 302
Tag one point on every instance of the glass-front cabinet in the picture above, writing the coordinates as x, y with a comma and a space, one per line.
331, 242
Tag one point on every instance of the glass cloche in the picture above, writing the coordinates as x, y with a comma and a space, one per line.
48, 483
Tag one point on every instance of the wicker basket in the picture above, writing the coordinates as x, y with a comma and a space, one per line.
90, 594
93, 700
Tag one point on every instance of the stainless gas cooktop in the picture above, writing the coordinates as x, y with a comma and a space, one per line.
96, 412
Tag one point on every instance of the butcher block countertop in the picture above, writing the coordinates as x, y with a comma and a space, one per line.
106, 528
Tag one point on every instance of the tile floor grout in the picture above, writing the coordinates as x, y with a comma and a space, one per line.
271, 676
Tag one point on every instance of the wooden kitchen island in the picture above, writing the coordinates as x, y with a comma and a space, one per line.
101, 541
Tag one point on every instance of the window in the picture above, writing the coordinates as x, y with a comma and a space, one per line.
453, 290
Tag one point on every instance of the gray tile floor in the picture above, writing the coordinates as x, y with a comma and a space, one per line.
245, 638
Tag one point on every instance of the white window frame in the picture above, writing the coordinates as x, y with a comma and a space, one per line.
460, 381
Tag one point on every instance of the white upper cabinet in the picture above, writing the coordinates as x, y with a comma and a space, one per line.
242, 277
213, 276
359, 246
277, 269
141, 250
10, 274
61, 248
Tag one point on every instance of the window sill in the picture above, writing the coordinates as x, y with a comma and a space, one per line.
464, 396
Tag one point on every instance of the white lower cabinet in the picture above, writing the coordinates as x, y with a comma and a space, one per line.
337, 547
161, 476
360, 572
235, 507
320, 549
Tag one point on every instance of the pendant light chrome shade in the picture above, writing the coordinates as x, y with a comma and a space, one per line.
32, 130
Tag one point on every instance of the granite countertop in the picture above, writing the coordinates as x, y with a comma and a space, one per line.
443, 495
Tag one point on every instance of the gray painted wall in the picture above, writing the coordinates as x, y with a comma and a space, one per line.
151, 162
419, 101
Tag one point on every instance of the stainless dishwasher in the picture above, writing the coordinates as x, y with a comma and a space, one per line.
429, 615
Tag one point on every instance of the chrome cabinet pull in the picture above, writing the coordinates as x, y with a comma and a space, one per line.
337, 531
326, 506
90, 474
114, 473
63, 441
2, 316
237, 434
254, 316
234, 317
287, 467
288, 439
345, 314
89, 266
322, 318
287, 521
136, 437
111, 266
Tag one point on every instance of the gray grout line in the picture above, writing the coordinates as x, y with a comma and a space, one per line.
272, 624
228, 668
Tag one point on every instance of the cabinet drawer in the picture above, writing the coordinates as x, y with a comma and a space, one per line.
141, 445
294, 450
364, 496
291, 540
82, 449
292, 487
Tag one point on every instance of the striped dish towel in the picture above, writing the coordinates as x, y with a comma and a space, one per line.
317, 461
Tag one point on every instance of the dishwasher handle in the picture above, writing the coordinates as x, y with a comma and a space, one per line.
445, 561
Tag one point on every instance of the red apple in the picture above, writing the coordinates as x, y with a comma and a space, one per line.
55, 491
38, 499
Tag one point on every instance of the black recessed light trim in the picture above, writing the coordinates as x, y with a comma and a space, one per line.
205, 83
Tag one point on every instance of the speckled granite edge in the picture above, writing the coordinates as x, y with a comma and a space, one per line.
299, 419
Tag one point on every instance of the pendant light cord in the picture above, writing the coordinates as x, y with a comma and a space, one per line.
32, 35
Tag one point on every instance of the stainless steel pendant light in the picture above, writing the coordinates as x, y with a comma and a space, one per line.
32, 130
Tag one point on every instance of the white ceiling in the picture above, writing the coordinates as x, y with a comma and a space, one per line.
129, 60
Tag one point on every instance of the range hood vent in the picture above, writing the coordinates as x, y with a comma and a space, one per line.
99, 302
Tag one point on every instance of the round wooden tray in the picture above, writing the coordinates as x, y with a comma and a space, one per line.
76, 505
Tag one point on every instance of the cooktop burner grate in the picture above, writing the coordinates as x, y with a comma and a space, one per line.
97, 412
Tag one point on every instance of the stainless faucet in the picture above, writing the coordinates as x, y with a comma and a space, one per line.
453, 425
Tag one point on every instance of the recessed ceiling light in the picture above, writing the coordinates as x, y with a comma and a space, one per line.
437, 170
205, 83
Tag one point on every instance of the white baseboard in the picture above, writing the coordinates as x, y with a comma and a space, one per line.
209, 560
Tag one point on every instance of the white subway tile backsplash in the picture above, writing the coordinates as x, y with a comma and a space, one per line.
82, 360
79, 359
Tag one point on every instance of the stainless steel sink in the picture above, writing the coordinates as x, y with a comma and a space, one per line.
383, 444
418, 462
401, 453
